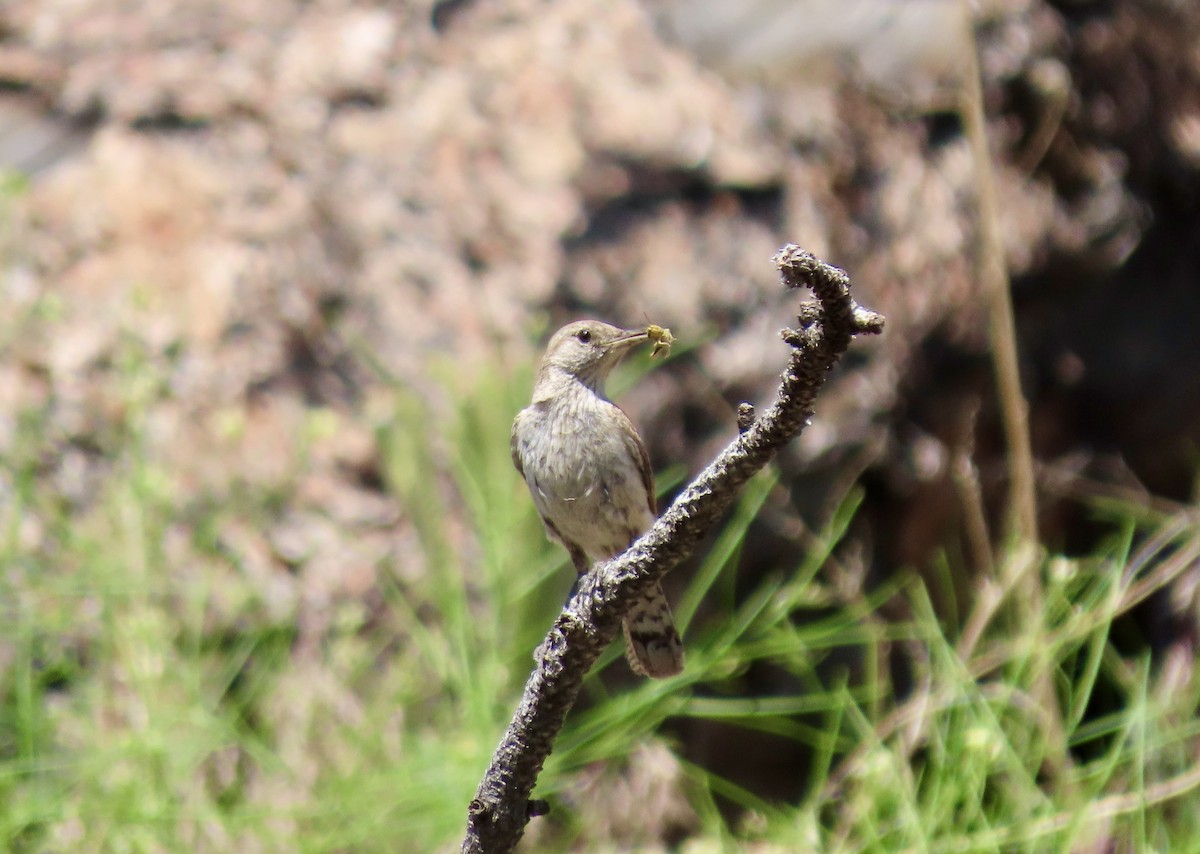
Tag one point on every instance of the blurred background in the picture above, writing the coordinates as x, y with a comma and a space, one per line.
274, 277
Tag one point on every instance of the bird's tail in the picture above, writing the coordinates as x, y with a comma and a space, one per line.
652, 644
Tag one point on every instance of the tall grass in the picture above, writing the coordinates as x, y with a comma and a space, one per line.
132, 720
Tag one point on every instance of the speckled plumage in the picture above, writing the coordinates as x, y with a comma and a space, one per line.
589, 474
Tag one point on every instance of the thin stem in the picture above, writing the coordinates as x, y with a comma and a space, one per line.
1022, 501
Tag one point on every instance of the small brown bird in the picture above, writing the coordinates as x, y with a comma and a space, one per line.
590, 476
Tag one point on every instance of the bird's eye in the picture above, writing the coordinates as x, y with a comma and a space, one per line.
584, 335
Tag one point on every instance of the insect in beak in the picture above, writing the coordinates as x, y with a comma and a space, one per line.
662, 338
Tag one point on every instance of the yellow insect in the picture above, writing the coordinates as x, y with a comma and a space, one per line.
662, 338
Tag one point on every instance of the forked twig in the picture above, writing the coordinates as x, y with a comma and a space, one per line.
497, 816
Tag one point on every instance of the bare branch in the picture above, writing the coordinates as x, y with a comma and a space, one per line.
498, 814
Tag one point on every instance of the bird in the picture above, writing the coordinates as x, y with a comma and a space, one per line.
589, 473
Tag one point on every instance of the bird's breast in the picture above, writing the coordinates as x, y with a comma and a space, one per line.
583, 477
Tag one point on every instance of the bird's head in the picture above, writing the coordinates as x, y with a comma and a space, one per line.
588, 350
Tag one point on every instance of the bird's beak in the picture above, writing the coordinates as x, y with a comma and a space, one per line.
621, 344
630, 338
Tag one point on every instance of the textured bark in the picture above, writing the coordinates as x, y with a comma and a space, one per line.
497, 816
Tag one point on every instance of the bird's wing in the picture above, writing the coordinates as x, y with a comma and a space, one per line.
641, 458
514, 445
